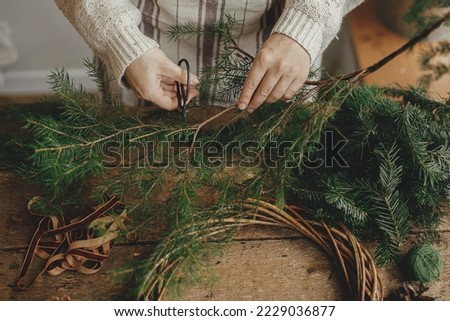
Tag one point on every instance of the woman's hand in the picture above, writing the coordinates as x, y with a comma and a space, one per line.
152, 77
278, 72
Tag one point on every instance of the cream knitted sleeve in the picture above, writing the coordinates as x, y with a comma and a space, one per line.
110, 27
313, 24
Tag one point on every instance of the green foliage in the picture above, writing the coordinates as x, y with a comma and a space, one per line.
390, 210
397, 154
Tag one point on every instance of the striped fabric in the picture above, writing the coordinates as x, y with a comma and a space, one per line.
258, 19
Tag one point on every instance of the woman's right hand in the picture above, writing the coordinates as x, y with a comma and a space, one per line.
153, 77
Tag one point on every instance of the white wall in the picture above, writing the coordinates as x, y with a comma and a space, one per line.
45, 40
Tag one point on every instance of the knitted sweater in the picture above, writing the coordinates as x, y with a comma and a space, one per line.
120, 31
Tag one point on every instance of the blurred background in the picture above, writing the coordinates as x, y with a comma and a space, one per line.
43, 40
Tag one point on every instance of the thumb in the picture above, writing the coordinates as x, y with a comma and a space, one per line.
180, 74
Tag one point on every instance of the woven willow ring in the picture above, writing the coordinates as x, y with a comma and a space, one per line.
355, 263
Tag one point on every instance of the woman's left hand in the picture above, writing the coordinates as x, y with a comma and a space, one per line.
278, 72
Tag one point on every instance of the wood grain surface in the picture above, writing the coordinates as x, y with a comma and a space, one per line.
261, 264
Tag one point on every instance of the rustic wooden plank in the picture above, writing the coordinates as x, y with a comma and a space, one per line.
292, 269
263, 264
99, 286
252, 270
272, 270
17, 225
21, 99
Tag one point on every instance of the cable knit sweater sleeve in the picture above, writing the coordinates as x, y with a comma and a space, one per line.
110, 27
313, 24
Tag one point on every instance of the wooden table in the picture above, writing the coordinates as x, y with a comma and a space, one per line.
261, 264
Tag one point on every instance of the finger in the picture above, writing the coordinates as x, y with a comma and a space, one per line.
166, 97
264, 90
293, 89
192, 94
174, 99
172, 82
279, 90
173, 94
166, 102
173, 88
254, 77
170, 93
159, 97
168, 87
167, 80
179, 74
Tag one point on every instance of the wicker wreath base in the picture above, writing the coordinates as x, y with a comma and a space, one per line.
355, 263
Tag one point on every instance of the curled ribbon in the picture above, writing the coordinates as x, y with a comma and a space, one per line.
75, 245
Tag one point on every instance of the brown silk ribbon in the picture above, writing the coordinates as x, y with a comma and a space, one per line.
74, 246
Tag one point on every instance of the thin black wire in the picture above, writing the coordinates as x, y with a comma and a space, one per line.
183, 91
